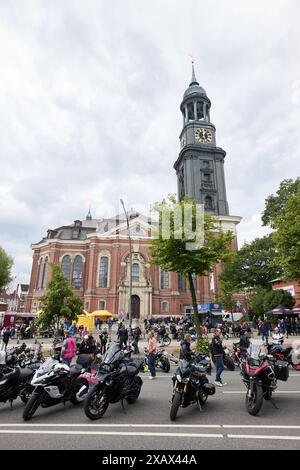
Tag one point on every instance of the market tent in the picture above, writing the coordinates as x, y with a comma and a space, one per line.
296, 309
281, 310
101, 313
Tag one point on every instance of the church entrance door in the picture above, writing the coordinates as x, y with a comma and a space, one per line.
135, 306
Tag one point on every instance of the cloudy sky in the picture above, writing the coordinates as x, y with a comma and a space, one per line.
89, 105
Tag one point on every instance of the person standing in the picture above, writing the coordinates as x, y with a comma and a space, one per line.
218, 352
152, 348
68, 349
136, 337
103, 341
122, 335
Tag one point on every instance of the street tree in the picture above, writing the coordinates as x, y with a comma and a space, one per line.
253, 265
278, 297
180, 251
59, 302
275, 205
6, 263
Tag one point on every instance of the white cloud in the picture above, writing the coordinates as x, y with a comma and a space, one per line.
89, 105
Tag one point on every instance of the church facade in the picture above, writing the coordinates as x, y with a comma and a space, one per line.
94, 253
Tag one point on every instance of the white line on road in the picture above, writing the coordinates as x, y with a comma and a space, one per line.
278, 391
77, 425
260, 426
257, 436
109, 433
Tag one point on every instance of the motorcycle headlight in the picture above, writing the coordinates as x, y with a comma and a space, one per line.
178, 377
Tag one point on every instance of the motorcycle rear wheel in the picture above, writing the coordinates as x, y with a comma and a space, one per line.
95, 404
165, 365
31, 406
79, 383
229, 363
167, 341
136, 392
202, 397
254, 403
175, 406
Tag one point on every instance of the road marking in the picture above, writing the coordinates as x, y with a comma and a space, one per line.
113, 425
256, 436
109, 433
260, 426
277, 391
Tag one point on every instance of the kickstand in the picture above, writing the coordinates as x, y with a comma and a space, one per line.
199, 405
11, 404
274, 404
122, 404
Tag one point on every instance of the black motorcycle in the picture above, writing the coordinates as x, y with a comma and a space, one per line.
118, 380
161, 360
190, 384
57, 383
227, 359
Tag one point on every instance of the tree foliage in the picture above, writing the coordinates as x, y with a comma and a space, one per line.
171, 254
278, 297
275, 205
59, 301
226, 297
6, 263
253, 265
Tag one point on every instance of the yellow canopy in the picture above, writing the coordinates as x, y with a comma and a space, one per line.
101, 313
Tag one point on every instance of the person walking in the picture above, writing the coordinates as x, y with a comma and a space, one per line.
218, 352
103, 341
136, 337
5, 338
266, 331
68, 349
122, 335
152, 348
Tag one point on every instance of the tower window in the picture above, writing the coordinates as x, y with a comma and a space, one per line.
200, 113
208, 203
164, 279
181, 283
77, 272
190, 108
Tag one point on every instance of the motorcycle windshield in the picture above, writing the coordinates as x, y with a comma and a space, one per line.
256, 350
46, 366
113, 354
184, 367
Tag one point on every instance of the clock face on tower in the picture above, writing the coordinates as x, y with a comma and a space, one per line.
203, 136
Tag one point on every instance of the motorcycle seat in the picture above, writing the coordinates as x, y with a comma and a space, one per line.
75, 369
15, 374
26, 372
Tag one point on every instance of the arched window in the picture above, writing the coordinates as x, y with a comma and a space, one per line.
181, 283
40, 271
45, 272
66, 266
164, 279
165, 306
190, 108
200, 113
77, 272
135, 273
103, 271
208, 203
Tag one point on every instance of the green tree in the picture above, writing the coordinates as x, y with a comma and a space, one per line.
171, 253
59, 301
287, 238
226, 297
278, 297
275, 205
6, 263
253, 265
255, 301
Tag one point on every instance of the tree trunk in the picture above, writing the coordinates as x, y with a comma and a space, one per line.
195, 306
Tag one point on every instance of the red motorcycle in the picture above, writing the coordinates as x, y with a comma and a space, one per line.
260, 373
292, 356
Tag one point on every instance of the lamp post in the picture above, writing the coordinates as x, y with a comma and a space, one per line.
130, 270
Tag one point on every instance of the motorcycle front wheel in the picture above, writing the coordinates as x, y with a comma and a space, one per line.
167, 341
255, 400
175, 406
165, 365
95, 404
32, 405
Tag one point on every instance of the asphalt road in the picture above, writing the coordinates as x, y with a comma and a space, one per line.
223, 424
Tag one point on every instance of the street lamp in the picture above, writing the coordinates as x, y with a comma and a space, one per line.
130, 269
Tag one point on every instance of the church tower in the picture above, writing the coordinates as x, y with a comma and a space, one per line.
200, 165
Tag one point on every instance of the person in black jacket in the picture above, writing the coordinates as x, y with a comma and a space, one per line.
122, 335
185, 348
218, 352
245, 342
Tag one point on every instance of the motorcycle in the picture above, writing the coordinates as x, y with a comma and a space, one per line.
236, 354
291, 355
190, 385
227, 359
260, 373
55, 383
165, 340
117, 379
161, 360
